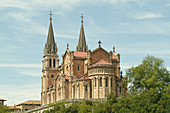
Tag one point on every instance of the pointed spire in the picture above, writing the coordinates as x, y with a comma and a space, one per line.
50, 46
82, 47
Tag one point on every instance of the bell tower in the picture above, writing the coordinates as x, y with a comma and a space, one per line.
50, 65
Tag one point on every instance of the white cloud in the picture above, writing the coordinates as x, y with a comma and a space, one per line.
21, 65
16, 94
29, 72
143, 51
42, 4
168, 68
168, 5
125, 66
148, 16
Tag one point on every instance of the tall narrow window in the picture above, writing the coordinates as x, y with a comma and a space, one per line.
120, 90
95, 82
106, 81
78, 68
86, 88
50, 63
111, 82
100, 81
53, 62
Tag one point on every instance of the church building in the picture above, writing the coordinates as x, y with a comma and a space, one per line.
83, 73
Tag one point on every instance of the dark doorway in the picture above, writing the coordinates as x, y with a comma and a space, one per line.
91, 89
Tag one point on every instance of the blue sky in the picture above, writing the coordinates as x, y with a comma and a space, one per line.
136, 28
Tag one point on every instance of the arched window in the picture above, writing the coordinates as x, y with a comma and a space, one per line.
50, 63
106, 81
53, 62
100, 81
78, 68
95, 82
111, 82
86, 88
120, 90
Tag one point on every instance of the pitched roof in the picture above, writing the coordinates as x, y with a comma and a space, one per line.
66, 77
82, 47
114, 57
101, 61
14, 107
50, 46
2, 99
80, 54
31, 102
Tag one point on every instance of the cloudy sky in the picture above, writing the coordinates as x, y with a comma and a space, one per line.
136, 28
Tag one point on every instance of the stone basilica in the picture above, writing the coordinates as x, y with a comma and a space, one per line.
83, 74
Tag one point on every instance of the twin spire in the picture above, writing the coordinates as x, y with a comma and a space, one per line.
51, 46
82, 47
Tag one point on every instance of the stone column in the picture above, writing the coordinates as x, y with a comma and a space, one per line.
84, 90
97, 86
104, 86
92, 85
72, 69
88, 89
109, 84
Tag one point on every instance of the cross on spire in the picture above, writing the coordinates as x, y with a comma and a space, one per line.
67, 46
50, 14
82, 17
99, 43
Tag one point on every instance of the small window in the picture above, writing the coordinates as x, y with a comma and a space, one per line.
100, 81
86, 88
52, 76
50, 63
106, 81
53, 62
111, 82
95, 82
78, 68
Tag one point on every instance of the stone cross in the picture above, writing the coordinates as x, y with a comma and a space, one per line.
50, 14
82, 17
67, 46
99, 43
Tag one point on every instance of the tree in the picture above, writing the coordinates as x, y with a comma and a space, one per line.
150, 74
4, 109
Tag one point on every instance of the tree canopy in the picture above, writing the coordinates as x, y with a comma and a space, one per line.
4, 109
150, 74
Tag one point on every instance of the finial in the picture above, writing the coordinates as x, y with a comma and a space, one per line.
99, 43
82, 17
67, 46
121, 75
50, 14
113, 48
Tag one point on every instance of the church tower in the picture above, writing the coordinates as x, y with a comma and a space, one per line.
50, 66
82, 47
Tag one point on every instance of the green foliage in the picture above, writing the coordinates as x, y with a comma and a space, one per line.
150, 74
4, 109
149, 91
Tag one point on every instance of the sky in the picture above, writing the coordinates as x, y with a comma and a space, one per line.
136, 28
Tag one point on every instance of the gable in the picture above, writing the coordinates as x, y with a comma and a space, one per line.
99, 54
